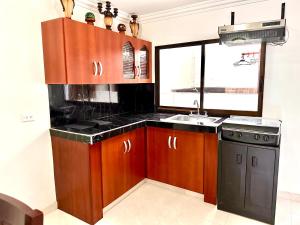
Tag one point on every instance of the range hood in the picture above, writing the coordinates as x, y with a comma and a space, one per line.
272, 31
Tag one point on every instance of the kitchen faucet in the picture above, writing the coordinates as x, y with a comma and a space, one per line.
198, 106
198, 109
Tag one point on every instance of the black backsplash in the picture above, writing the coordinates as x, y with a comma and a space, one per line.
132, 99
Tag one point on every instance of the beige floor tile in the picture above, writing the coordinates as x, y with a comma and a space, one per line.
295, 208
152, 204
239, 220
283, 212
60, 218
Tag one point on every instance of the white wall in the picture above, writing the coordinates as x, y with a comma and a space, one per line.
26, 168
282, 79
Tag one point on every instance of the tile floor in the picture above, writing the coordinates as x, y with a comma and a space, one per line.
154, 204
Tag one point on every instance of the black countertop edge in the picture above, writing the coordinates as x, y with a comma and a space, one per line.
95, 138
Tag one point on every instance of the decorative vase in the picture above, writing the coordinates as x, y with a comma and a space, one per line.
134, 26
122, 28
68, 6
90, 18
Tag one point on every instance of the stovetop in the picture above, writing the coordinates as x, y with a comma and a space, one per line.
252, 130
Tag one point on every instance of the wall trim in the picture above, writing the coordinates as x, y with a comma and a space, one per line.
200, 7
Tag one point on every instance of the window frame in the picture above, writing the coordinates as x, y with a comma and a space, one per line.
213, 112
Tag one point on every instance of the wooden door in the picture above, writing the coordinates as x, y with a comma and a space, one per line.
143, 61
232, 175
137, 157
128, 59
114, 168
187, 161
81, 54
158, 153
102, 54
260, 181
110, 46
54, 51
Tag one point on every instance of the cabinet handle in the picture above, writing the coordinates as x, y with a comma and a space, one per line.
140, 71
136, 71
101, 69
129, 144
239, 159
95, 68
175, 143
254, 161
126, 147
169, 142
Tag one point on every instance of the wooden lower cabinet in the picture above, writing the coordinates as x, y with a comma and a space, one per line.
123, 164
176, 157
77, 171
90, 177
184, 159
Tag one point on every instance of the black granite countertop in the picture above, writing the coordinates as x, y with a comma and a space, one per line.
93, 131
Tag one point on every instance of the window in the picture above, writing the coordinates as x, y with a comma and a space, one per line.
224, 80
180, 70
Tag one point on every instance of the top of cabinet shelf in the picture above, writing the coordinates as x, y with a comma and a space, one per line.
76, 21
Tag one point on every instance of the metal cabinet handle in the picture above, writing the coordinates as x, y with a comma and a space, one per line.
140, 71
254, 161
129, 144
95, 68
239, 159
101, 69
175, 143
169, 142
126, 147
136, 71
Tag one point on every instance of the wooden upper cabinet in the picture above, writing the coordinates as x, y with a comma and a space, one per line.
78, 53
70, 55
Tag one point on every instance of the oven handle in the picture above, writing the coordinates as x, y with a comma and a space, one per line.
250, 131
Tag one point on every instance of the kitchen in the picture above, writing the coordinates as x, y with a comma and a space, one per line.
27, 168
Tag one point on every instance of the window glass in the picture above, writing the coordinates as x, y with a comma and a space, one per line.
180, 75
231, 77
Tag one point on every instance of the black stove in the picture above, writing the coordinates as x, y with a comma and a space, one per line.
252, 130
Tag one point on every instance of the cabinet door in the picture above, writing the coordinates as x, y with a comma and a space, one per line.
158, 153
143, 61
128, 58
80, 50
102, 53
54, 51
260, 181
109, 56
114, 168
233, 172
136, 158
187, 161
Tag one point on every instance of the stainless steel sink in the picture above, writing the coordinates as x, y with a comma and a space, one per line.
192, 119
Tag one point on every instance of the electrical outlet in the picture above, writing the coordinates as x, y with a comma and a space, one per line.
27, 118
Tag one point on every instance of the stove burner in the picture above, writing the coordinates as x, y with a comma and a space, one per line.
252, 130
